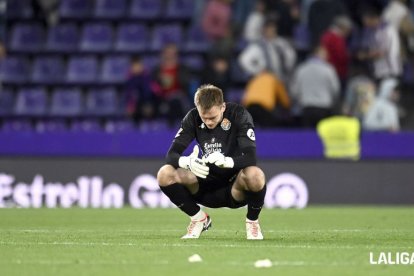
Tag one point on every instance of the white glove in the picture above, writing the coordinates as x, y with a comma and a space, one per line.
220, 160
194, 164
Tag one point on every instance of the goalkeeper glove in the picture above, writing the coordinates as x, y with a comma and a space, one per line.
220, 160
194, 164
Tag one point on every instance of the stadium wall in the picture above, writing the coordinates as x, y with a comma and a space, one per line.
117, 182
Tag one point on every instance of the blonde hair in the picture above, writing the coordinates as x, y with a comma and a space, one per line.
207, 96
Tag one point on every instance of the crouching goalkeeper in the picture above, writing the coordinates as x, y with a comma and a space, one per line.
224, 174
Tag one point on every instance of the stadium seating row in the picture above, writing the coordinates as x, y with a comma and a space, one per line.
52, 69
102, 37
74, 125
111, 9
63, 102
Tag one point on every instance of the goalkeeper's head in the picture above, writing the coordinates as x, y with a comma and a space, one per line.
210, 104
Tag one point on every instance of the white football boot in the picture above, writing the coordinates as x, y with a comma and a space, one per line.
253, 230
196, 227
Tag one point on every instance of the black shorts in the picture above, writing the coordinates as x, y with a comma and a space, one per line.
215, 192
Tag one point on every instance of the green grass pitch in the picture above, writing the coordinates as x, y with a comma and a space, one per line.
314, 241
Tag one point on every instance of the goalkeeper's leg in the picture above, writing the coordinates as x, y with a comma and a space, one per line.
178, 185
250, 186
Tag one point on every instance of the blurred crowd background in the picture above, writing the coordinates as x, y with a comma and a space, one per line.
121, 65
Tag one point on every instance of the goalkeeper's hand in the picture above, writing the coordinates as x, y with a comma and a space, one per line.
194, 164
220, 160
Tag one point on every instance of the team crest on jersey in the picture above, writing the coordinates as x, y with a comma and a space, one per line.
250, 134
225, 124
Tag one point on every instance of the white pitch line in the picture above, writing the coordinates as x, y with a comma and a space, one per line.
215, 230
166, 262
251, 245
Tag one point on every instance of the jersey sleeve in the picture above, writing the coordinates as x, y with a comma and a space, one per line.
246, 140
245, 135
185, 135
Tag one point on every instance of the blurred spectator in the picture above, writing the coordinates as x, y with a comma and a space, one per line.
383, 113
315, 87
359, 94
218, 73
264, 94
140, 99
271, 52
379, 46
47, 10
198, 11
304, 10
334, 41
321, 16
255, 21
285, 13
171, 84
241, 11
216, 19
398, 15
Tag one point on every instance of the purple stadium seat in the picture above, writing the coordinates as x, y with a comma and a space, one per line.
27, 37
53, 125
196, 40
101, 102
96, 37
301, 37
114, 69
49, 69
165, 34
19, 9
179, 9
31, 102
131, 37
194, 62
7, 101
145, 9
82, 69
63, 37
111, 9
14, 69
66, 102
86, 125
17, 125
237, 74
75, 8
150, 61
234, 95
114, 126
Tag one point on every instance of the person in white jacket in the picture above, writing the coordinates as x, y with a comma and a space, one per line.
271, 52
383, 113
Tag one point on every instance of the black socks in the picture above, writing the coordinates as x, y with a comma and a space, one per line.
180, 196
255, 201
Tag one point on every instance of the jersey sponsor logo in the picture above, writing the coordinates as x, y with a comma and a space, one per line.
178, 132
251, 135
210, 148
225, 124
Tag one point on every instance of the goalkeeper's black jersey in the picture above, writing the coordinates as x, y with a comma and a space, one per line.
234, 137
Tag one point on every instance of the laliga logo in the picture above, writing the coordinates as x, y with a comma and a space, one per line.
286, 190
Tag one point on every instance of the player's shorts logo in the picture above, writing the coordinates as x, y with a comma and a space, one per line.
251, 135
178, 133
225, 124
